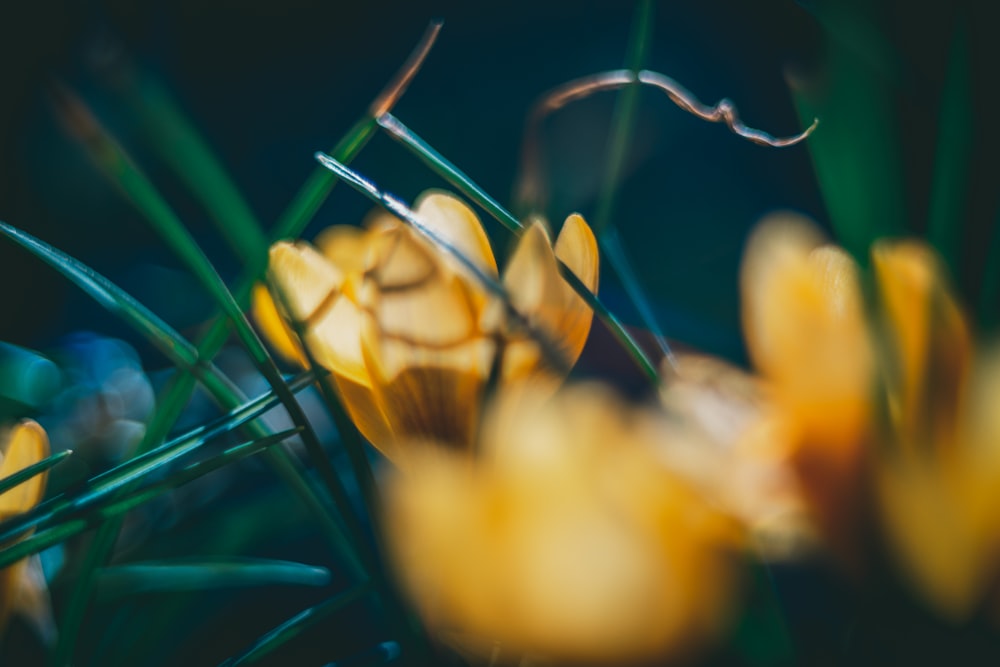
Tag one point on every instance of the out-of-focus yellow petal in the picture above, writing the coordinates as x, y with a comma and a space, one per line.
538, 291
451, 219
560, 541
930, 338
933, 534
273, 326
26, 445
803, 318
733, 440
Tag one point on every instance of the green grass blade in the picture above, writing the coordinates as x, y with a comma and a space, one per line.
296, 625
623, 120
194, 575
622, 127
136, 468
23, 475
175, 140
949, 186
461, 182
113, 298
114, 507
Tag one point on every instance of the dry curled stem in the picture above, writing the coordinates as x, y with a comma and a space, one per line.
722, 112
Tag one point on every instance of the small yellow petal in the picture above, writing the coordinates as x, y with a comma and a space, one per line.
538, 291
25, 445
305, 278
346, 246
273, 326
452, 220
931, 338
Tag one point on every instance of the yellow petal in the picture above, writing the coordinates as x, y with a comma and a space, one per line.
347, 247
803, 318
273, 327
26, 445
941, 554
804, 323
431, 394
538, 291
930, 337
449, 217
305, 278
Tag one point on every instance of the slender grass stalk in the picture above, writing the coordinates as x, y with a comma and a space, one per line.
622, 126
461, 182
23, 475
176, 141
296, 625
108, 506
198, 575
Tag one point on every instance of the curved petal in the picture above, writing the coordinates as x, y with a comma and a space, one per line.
272, 325
305, 278
26, 445
803, 319
932, 340
450, 218
538, 291
346, 246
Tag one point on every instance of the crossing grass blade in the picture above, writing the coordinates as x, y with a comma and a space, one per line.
296, 625
198, 575
104, 507
23, 475
466, 186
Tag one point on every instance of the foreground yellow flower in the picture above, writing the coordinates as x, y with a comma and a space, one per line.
569, 537
409, 336
912, 431
22, 588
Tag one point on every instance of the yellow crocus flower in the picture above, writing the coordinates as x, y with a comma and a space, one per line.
892, 421
569, 538
22, 588
409, 336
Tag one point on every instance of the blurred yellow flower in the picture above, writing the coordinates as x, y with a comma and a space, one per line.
22, 588
409, 336
888, 411
568, 538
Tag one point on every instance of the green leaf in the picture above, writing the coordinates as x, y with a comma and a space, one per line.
295, 626
198, 575
856, 151
174, 346
23, 475
176, 141
27, 379
949, 186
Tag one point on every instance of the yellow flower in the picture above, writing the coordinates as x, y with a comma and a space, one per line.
911, 431
22, 588
409, 336
568, 538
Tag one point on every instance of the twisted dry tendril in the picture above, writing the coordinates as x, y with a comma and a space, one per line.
724, 111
